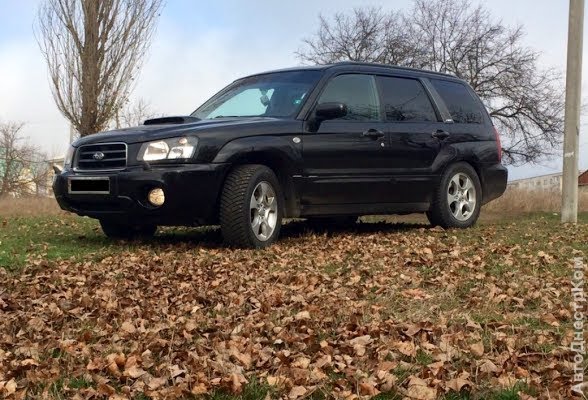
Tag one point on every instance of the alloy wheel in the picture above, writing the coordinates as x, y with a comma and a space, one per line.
264, 211
461, 196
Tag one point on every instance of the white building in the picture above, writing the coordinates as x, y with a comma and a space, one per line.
549, 182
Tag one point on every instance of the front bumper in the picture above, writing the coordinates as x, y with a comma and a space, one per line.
191, 194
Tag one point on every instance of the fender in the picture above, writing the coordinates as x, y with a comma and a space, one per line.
479, 156
279, 153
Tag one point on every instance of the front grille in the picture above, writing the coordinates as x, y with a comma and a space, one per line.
103, 156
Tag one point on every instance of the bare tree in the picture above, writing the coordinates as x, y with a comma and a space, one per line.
23, 169
133, 114
453, 36
94, 50
368, 34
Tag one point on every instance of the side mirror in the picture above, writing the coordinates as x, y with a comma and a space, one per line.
327, 111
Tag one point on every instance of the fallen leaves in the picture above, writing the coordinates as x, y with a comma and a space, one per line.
419, 312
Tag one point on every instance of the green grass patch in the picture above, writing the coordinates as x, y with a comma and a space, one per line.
48, 238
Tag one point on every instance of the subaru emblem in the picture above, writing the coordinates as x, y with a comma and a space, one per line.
98, 155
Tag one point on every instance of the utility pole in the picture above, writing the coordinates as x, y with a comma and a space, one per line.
569, 200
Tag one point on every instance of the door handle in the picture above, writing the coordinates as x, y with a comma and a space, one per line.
373, 134
440, 134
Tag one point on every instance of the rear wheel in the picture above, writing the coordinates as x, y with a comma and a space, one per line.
251, 207
121, 230
458, 198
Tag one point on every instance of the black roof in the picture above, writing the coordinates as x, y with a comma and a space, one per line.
358, 64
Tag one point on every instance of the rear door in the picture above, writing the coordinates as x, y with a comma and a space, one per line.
416, 135
345, 160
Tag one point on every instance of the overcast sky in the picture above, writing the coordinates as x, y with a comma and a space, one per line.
201, 46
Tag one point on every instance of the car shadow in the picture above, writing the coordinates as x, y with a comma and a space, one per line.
299, 228
211, 237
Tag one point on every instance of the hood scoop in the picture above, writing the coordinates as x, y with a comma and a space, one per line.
170, 120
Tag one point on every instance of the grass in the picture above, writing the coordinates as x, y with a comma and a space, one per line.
48, 238
254, 390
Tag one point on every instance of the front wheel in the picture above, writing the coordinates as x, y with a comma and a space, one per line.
458, 198
251, 207
121, 230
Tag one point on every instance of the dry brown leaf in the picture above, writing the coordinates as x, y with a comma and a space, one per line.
10, 387
457, 384
419, 389
236, 381
156, 383
134, 372
128, 327
105, 389
477, 349
550, 319
301, 362
95, 365
488, 366
199, 389
407, 348
367, 389
29, 362
302, 315
297, 392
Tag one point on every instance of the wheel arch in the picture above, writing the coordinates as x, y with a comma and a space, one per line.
457, 154
275, 153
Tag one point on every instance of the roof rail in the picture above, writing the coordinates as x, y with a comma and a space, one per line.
390, 66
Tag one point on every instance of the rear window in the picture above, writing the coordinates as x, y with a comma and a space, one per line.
405, 100
463, 107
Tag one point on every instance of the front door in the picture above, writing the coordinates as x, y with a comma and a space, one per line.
346, 160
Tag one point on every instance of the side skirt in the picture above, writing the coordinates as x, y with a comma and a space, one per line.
363, 209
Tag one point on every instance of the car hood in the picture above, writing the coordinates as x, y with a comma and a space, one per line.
162, 128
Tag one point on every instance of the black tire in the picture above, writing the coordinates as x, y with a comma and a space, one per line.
442, 213
236, 215
121, 230
336, 222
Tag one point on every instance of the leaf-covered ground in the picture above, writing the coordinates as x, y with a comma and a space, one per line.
381, 310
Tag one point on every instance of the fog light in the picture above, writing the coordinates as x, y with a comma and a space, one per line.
156, 197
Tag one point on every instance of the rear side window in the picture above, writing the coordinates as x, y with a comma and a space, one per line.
460, 102
405, 99
356, 91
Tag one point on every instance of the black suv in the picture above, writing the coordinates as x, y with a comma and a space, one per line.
329, 142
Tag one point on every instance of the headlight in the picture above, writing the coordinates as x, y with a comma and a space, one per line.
168, 149
68, 158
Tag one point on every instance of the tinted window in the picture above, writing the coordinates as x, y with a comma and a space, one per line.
406, 100
358, 92
460, 102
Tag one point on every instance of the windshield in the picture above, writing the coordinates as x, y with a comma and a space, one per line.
278, 94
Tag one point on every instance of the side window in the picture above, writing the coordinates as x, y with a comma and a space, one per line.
460, 102
405, 99
358, 92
